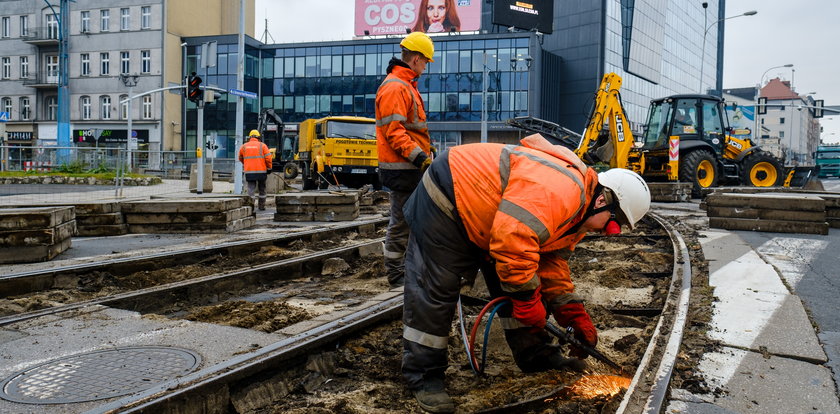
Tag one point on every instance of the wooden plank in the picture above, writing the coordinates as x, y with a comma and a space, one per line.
778, 226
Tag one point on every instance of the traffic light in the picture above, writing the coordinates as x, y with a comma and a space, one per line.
194, 92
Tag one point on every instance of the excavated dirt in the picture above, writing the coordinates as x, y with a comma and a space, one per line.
362, 375
100, 284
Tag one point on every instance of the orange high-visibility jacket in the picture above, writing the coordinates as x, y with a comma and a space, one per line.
255, 157
401, 131
517, 202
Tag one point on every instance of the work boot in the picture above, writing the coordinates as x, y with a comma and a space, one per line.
433, 398
261, 205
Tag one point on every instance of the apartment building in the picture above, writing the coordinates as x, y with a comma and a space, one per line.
115, 46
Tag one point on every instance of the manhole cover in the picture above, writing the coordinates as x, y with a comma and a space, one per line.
98, 375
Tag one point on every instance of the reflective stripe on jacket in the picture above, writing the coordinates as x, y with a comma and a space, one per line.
402, 137
517, 202
255, 157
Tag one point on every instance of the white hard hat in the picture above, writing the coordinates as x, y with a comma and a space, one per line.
631, 190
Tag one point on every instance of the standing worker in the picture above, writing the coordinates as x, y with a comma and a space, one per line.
402, 141
256, 160
516, 213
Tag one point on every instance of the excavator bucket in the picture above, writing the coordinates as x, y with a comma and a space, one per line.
803, 177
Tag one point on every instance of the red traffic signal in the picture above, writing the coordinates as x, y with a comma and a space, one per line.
194, 92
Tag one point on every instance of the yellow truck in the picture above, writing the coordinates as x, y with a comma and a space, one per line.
337, 150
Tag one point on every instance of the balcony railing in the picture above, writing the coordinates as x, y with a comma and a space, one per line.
43, 79
41, 35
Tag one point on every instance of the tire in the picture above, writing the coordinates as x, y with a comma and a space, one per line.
699, 168
761, 169
290, 170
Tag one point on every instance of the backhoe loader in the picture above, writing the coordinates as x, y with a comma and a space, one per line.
685, 139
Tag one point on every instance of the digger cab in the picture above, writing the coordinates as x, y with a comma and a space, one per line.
699, 120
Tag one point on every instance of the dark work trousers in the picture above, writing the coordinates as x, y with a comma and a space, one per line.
438, 258
257, 186
396, 239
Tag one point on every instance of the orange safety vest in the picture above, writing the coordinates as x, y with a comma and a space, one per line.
401, 130
517, 203
255, 157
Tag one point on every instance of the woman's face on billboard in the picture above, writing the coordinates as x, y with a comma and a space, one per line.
436, 11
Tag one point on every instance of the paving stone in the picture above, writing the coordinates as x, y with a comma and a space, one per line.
34, 218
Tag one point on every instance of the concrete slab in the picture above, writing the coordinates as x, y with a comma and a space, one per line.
318, 198
831, 342
766, 214
198, 205
40, 237
99, 219
101, 230
221, 227
778, 226
34, 218
188, 218
753, 383
777, 201
32, 254
312, 208
98, 328
792, 256
721, 247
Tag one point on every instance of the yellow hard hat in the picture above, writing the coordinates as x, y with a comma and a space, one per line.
254, 133
419, 42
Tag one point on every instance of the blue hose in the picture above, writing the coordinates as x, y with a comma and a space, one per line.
487, 335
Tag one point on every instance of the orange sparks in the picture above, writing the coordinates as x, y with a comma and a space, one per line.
591, 386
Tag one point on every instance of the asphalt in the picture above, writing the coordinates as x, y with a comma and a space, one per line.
774, 317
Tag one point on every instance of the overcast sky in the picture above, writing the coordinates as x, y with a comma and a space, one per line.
804, 33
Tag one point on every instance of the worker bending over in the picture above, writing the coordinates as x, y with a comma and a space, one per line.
516, 213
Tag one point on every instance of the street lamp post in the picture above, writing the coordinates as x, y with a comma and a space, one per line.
758, 93
130, 143
703, 50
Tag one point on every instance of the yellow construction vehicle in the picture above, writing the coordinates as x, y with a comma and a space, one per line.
686, 139
338, 150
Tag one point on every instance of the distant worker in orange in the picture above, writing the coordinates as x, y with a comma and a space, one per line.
516, 213
435, 16
402, 141
256, 160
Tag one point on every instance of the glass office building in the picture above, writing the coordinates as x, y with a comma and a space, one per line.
654, 45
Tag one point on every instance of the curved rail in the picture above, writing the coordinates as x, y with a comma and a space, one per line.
670, 327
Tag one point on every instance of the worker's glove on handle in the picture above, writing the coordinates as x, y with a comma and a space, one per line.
531, 311
426, 164
575, 316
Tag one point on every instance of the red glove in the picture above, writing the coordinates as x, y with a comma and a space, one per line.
531, 312
574, 315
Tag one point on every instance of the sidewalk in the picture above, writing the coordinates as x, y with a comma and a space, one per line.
771, 360
169, 188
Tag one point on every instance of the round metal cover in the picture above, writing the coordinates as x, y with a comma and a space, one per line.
98, 375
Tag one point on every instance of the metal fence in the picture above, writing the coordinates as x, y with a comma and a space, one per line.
172, 166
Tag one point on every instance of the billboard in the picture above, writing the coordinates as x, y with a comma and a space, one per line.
527, 15
384, 17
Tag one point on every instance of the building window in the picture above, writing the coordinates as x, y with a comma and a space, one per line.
6, 27
52, 26
147, 107
125, 19
24, 26
146, 17
7, 105
782, 120
781, 134
104, 20
124, 62
85, 103
86, 21
85, 57
52, 107
25, 110
123, 106
104, 63
145, 61
105, 107
6, 68
52, 69
24, 67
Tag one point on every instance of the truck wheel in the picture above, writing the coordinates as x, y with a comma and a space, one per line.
699, 168
761, 169
290, 170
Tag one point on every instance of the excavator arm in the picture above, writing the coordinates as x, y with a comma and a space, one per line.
607, 108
